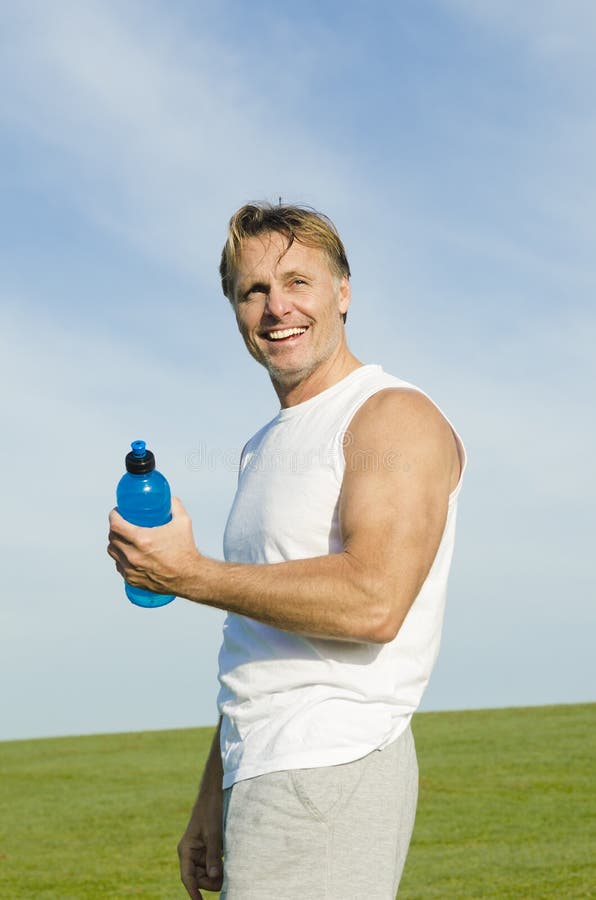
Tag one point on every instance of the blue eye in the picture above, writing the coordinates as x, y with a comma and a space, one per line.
254, 290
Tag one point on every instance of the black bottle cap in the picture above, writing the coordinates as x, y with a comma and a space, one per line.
139, 460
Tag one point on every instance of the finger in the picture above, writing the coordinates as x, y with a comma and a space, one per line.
113, 551
192, 889
191, 876
178, 508
116, 538
119, 560
114, 518
117, 555
210, 884
120, 528
194, 875
213, 862
192, 865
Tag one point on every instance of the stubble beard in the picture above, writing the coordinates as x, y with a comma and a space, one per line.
289, 378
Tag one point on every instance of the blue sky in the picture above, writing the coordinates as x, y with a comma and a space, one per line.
452, 142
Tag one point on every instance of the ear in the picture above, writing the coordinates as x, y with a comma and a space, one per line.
345, 294
234, 308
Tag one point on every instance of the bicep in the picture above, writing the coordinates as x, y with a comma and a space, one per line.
395, 492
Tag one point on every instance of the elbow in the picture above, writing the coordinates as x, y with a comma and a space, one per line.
382, 627
385, 633
381, 605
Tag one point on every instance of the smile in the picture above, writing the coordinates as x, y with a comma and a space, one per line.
282, 334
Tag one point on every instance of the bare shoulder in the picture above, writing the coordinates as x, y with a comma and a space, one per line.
400, 408
405, 422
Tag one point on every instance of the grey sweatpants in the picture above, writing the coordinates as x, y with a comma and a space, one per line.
334, 833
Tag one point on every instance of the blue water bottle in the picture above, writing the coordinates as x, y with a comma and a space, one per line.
143, 498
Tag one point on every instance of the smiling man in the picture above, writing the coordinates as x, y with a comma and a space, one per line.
337, 552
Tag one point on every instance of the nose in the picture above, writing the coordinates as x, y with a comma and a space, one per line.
278, 303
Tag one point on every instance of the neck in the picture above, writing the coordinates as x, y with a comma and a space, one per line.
324, 376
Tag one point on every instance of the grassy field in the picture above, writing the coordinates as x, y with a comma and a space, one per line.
506, 809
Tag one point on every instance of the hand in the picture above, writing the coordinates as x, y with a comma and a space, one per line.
201, 848
157, 559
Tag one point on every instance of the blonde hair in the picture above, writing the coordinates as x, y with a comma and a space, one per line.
296, 223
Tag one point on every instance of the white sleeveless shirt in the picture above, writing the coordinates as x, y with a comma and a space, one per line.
288, 701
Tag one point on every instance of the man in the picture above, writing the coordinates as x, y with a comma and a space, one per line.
337, 550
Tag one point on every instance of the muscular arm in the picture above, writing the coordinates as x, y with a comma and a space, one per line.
401, 464
200, 849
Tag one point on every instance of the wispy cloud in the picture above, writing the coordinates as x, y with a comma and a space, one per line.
162, 128
470, 227
555, 31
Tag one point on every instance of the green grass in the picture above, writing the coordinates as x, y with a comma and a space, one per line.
507, 805
506, 809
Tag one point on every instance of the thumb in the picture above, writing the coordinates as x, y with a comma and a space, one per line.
178, 508
213, 860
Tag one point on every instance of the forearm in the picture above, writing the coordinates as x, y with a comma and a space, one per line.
328, 596
201, 846
211, 781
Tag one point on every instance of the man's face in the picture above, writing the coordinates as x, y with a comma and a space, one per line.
288, 305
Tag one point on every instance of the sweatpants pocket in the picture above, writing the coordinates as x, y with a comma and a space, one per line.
324, 791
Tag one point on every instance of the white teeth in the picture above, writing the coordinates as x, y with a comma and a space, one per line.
287, 332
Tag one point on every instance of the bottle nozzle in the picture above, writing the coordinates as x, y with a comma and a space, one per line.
139, 460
